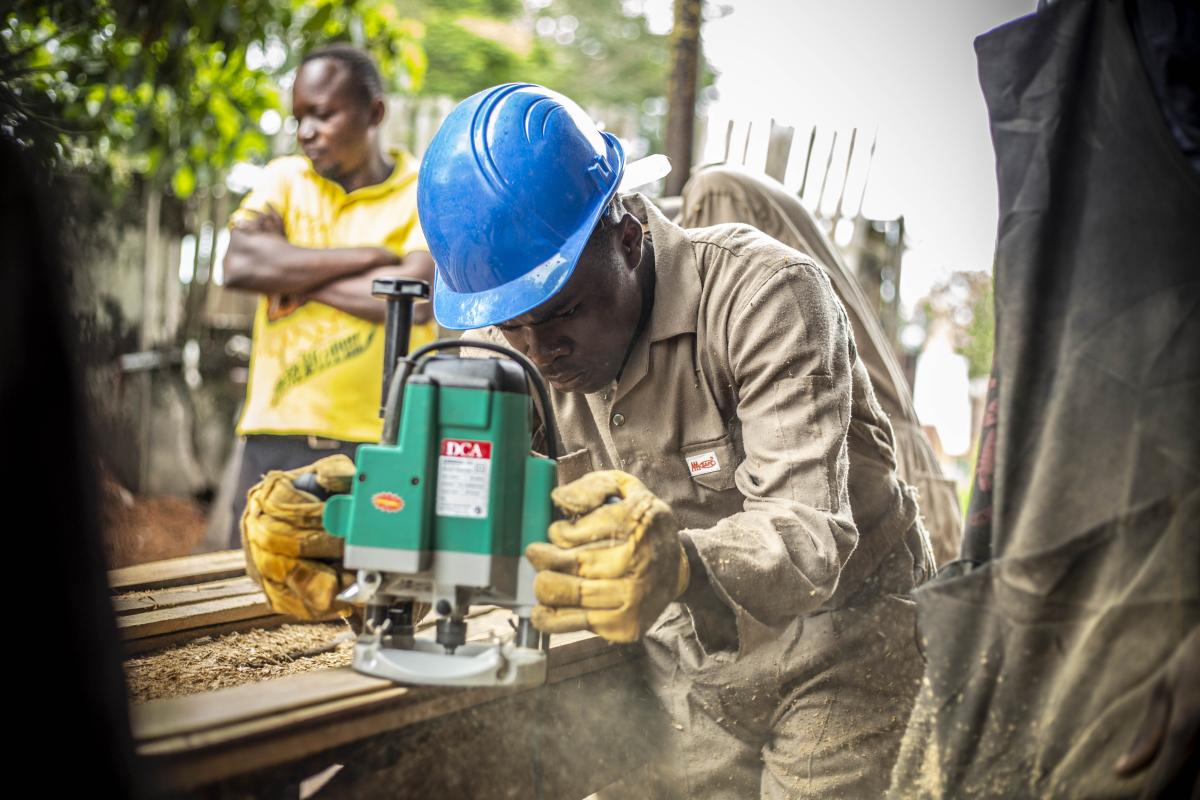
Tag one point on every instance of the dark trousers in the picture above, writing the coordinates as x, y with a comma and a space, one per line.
265, 453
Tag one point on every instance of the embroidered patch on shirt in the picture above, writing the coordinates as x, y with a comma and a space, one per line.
703, 463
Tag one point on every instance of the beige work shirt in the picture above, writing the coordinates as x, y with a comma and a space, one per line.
745, 407
723, 193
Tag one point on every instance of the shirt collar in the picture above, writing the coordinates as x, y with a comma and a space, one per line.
400, 176
676, 275
676, 290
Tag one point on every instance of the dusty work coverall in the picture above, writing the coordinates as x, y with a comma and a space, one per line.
724, 193
795, 674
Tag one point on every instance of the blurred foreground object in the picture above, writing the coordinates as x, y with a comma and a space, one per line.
40, 398
1080, 583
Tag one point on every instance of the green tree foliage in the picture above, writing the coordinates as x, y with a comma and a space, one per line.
174, 90
470, 44
967, 301
603, 52
599, 52
979, 338
461, 62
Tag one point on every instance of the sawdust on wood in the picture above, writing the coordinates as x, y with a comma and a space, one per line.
216, 662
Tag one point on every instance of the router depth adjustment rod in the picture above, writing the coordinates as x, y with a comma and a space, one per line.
399, 294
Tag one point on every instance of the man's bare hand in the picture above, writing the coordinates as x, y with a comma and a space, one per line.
422, 311
260, 258
1168, 738
268, 222
352, 294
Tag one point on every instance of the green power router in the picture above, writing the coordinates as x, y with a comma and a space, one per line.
442, 508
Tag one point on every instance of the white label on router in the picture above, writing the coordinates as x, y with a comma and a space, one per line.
464, 478
703, 463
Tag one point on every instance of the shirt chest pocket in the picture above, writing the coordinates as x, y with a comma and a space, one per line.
712, 463
574, 466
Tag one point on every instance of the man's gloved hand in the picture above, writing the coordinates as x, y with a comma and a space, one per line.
615, 566
287, 549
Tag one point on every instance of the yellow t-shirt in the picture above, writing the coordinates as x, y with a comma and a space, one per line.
314, 369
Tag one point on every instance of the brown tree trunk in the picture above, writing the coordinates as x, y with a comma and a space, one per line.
681, 92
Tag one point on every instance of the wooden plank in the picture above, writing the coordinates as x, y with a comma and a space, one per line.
837, 211
225, 751
418, 704
192, 714
152, 599
176, 716
133, 647
575, 736
260, 732
341, 691
825, 178
812, 140
192, 617
178, 571
430, 741
779, 148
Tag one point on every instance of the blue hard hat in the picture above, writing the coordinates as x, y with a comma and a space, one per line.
510, 189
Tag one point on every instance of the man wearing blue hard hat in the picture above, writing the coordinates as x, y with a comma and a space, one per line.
763, 547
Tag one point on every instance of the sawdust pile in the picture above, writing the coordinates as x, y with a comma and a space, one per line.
234, 659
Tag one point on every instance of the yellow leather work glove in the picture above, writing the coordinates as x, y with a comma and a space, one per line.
287, 549
615, 566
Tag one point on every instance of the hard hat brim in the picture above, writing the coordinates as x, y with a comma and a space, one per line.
461, 311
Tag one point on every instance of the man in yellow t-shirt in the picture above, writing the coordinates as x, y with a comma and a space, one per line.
310, 238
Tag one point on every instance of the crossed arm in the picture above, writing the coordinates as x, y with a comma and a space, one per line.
261, 259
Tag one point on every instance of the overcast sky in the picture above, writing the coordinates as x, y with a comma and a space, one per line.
905, 68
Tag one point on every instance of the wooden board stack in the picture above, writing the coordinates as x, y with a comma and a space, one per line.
169, 602
589, 726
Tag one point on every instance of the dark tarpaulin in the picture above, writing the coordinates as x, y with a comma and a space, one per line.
1082, 556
